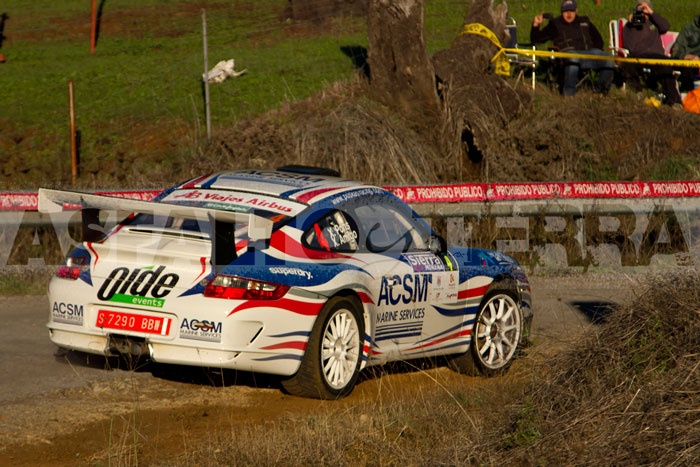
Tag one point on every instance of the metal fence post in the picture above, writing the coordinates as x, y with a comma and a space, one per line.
206, 73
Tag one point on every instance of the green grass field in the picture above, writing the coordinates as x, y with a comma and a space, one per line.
148, 66
144, 81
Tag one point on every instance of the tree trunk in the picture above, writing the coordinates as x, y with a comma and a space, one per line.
473, 106
401, 72
480, 103
471, 54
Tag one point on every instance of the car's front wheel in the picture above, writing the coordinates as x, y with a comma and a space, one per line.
495, 337
333, 355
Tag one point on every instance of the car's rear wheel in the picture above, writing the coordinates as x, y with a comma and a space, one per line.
333, 355
495, 338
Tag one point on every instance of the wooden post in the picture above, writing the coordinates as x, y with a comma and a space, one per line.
206, 74
73, 145
93, 35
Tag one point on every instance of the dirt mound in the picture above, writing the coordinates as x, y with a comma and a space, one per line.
628, 395
338, 128
585, 137
551, 139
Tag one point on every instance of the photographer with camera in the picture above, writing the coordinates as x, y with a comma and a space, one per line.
575, 34
642, 37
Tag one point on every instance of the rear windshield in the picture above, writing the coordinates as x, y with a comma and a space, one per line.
193, 228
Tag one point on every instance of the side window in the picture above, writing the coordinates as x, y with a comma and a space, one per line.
389, 229
334, 231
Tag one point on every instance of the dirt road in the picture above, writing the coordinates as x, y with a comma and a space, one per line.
62, 407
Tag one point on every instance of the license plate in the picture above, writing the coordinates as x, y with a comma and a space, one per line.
133, 322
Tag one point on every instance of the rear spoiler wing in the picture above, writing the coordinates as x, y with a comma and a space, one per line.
259, 228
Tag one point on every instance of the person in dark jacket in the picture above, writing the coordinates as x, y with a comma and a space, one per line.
687, 47
642, 37
575, 34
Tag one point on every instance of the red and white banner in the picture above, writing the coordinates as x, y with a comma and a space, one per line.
18, 201
29, 201
458, 193
530, 191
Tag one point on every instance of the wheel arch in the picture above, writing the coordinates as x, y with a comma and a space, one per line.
503, 281
366, 346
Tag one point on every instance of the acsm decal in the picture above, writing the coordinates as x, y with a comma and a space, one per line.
202, 330
69, 313
145, 287
415, 289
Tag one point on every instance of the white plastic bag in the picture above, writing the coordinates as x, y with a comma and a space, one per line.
222, 71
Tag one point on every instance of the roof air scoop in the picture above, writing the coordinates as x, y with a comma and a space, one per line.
310, 170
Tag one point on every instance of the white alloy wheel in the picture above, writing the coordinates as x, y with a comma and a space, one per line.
331, 363
497, 332
340, 350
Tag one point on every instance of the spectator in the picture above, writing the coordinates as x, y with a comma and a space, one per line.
642, 37
576, 34
687, 47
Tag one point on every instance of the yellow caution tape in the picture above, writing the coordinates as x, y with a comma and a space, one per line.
500, 59
641, 61
503, 66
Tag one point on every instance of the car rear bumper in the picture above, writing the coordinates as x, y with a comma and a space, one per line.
175, 352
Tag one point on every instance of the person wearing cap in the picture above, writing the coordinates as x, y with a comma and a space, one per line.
641, 35
575, 34
687, 47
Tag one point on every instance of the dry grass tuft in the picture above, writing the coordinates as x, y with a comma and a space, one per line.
338, 128
630, 394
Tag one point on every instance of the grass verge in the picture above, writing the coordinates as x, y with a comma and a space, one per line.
25, 281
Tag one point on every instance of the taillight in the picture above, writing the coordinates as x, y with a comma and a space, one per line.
78, 261
240, 288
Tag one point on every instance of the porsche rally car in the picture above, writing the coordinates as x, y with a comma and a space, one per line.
291, 272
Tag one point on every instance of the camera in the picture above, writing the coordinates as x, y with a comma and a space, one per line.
638, 17
547, 15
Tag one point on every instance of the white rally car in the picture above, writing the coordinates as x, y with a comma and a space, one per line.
290, 272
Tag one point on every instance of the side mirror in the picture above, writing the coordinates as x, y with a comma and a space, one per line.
437, 245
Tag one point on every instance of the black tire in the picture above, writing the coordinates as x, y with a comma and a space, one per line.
331, 374
496, 336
